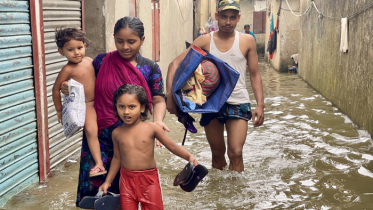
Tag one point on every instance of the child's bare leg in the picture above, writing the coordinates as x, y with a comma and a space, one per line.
91, 131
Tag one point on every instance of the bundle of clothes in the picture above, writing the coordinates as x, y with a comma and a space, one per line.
200, 85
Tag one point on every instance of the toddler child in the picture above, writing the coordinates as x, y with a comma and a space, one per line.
71, 43
133, 144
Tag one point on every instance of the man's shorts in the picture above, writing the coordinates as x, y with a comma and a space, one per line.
140, 186
228, 111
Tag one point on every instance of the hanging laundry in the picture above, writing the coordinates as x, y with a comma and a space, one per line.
271, 24
295, 58
272, 42
212, 25
344, 35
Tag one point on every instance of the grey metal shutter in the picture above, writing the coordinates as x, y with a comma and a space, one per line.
18, 138
57, 14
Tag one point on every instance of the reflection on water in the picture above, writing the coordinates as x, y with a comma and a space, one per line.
307, 155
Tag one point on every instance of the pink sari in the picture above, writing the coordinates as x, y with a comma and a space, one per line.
115, 71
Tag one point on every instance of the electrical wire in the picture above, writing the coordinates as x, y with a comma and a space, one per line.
296, 14
182, 13
322, 15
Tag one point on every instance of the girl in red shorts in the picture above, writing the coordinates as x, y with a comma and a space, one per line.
134, 151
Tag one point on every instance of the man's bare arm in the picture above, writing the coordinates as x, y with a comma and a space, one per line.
256, 82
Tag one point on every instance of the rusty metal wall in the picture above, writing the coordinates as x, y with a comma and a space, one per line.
58, 14
18, 130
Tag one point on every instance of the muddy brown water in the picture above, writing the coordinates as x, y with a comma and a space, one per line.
307, 155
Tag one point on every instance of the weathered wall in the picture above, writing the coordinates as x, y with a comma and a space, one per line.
343, 78
289, 34
275, 62
100, 17
174, 30
260, 43
197, 18
247, 9
287, 38
144, 12
175, 27
203, 10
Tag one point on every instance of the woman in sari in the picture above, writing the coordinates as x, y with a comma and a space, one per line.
122, 66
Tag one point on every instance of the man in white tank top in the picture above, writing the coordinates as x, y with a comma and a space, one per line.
239, 51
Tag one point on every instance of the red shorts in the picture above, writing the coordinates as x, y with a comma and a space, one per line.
140, 186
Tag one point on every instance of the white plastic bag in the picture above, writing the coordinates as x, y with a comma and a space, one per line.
73, 109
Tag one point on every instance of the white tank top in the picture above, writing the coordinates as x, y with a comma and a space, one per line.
238, 62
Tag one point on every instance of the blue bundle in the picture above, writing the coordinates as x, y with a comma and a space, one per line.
228, 75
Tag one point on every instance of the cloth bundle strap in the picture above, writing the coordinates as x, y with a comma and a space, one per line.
115, 71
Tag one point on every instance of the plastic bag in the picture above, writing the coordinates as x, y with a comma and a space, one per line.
73, 109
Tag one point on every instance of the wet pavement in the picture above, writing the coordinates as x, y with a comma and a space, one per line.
307, 155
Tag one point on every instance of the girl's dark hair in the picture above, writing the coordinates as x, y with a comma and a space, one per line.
133, 23
64, 35
136, 90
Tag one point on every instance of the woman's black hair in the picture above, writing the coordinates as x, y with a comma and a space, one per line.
133, 23
136, 90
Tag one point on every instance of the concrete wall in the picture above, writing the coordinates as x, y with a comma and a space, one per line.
247, 9
175, 28
287, 38
203, 10
144, 12
260, 43
100, 17
174, 31
197, 18
343, 78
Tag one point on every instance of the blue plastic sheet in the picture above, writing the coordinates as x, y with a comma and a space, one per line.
228, 75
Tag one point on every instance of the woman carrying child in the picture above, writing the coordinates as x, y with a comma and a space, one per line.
122, 66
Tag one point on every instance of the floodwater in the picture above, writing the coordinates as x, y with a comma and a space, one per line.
307, 155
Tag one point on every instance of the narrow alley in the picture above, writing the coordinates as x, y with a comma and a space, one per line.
314, 150
307, 155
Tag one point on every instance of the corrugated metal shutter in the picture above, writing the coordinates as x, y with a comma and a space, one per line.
18, 130
57, 14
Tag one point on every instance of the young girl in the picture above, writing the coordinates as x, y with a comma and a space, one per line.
134, 151
71, 43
